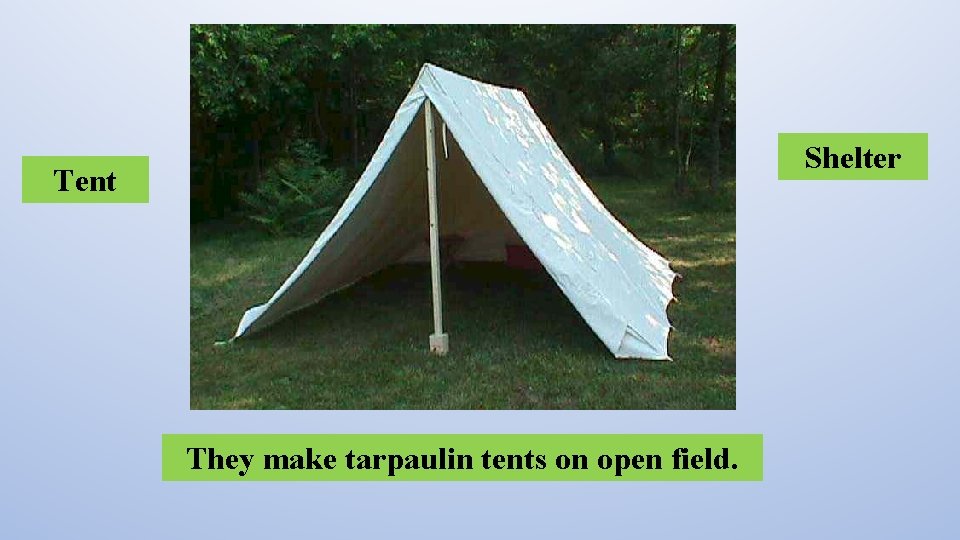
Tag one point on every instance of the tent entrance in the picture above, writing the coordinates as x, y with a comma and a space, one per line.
472, 228
464, 222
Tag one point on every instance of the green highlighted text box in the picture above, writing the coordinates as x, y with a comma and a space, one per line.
911, 164
732, 457
90, 181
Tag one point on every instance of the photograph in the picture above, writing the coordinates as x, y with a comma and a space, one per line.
463, 217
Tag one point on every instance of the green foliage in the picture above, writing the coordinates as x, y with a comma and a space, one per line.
297, 195
608, 93
237, 69
700, 199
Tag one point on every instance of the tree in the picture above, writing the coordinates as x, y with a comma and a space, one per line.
680, 182
719, 100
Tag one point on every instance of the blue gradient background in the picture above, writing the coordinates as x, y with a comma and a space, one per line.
846, 306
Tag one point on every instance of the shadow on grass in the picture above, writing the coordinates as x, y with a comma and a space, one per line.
487, 308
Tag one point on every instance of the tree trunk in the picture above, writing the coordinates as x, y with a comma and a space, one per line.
256, 171
319, 133
719, 99
680, 182
354, 120
607, 141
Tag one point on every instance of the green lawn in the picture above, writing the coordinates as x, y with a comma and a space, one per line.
515, 340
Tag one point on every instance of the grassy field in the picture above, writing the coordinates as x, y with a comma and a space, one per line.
516, 342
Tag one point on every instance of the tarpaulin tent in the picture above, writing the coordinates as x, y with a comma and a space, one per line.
469, 168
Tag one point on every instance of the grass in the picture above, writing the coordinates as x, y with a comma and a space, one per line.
516, 342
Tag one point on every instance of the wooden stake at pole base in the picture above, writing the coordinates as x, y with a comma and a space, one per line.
439, 344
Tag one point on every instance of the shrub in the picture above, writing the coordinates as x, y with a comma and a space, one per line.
584, 152
297, 194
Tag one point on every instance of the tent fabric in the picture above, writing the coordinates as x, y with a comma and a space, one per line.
503, 181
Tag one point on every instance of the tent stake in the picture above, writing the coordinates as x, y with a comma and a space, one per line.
439, 342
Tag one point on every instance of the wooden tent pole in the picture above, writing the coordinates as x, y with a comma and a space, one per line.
439, 342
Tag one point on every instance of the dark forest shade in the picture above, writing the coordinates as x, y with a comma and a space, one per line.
613, 95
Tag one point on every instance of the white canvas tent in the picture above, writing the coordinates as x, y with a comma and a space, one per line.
472, 162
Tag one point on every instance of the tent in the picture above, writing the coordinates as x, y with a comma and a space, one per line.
465, 171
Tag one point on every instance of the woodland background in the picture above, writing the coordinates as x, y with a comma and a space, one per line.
648, 102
